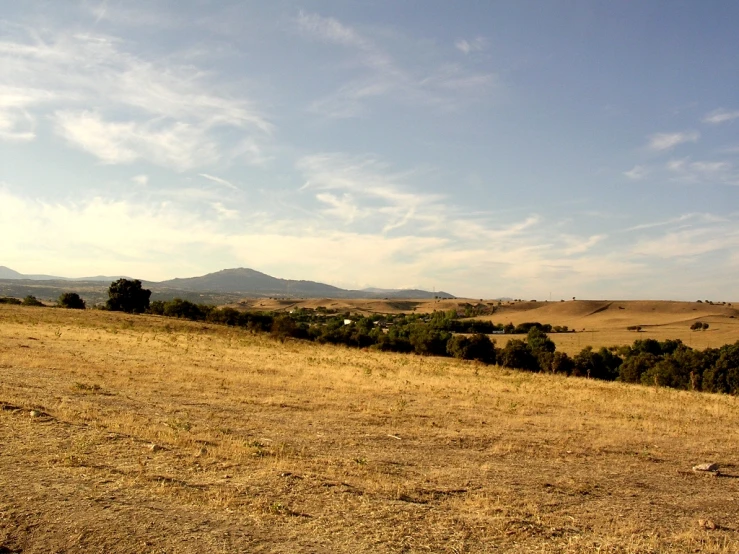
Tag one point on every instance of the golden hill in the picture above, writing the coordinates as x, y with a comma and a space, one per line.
145, 434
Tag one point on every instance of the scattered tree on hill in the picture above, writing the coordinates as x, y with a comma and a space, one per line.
128, 296
699, 326
71, 300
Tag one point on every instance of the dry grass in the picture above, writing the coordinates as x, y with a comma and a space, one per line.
604, 323
269, 447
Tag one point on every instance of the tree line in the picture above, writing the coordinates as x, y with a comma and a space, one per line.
668, 363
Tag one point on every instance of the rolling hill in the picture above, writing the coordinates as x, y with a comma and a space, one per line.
237, 282
250, 282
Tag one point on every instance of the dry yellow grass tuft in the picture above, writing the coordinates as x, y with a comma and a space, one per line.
149, 434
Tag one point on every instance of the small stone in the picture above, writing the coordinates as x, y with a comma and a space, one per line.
155, 447
35, 413
706, 467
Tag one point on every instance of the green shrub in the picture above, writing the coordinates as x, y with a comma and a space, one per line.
31, 300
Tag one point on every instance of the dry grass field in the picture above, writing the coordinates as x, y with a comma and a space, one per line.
604, 323
142, 434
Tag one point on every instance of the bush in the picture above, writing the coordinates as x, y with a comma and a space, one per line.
71, 300
8, 300
31, 300
283, 327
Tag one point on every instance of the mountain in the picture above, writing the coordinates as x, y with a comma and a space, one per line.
7, 273
244, 280
239, 281
251, 282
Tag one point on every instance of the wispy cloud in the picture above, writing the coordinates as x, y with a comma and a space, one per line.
660, 142
721, 116
690, 242
439, 86
703, 172
341, 207
219, 180
158, 239
637, 172
385, 196
17, 123
672, 221
116, 105
475, 45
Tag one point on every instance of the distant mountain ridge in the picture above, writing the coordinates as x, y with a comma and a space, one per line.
250, 282
7, 273
247, 282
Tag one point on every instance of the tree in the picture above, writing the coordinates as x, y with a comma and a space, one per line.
428, 341
517, 355
636, 365
477, 347
602, 364
125, 295
71, 300
538, 341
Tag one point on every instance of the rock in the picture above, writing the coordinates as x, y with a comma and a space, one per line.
706, 467
35, 413
707, 524
155, 447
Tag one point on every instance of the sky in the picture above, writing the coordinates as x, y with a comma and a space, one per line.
528, 149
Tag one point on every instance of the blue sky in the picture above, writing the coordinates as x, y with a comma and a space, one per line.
488, 149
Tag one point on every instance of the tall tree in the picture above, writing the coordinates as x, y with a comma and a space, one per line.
128, 296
